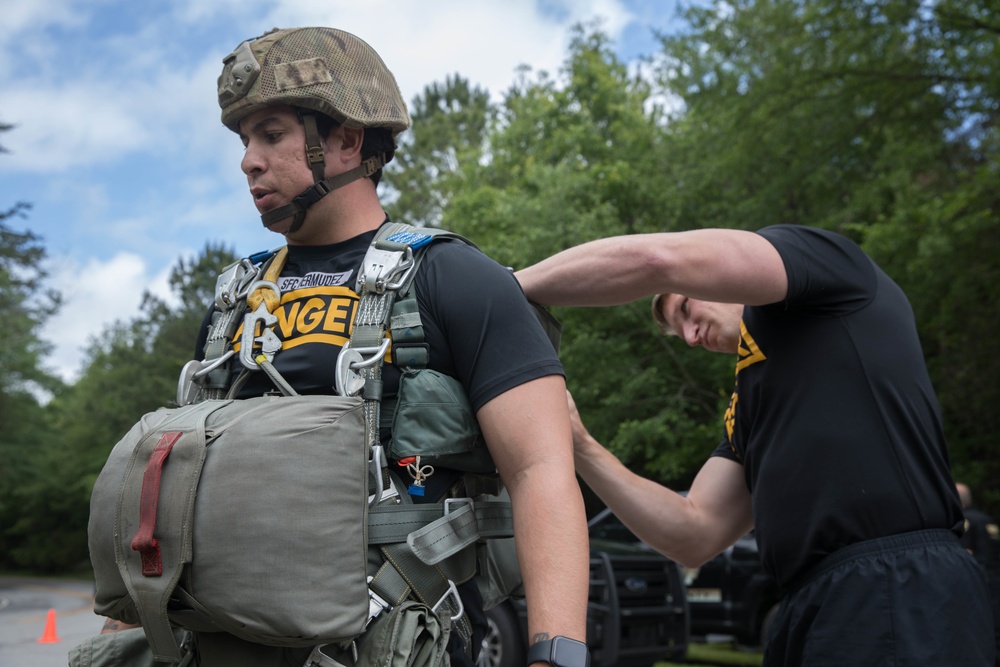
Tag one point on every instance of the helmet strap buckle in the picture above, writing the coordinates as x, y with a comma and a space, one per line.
314, 147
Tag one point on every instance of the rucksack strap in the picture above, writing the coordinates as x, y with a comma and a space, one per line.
437, 530
427, 560
162, 563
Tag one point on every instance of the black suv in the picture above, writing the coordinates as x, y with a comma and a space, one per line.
729, 595
732, 595
637, 613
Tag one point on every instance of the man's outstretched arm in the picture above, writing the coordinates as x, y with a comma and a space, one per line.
688, 529
724, 265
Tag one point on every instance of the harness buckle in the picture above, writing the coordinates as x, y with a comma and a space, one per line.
320, 659
452, 593
269, 342
385, 270
448, 502
376, 603
376, 464
234, 283
347, 380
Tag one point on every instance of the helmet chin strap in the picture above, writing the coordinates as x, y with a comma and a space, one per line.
322, 187
311, 195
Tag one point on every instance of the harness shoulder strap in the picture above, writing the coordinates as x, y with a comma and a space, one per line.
431, 556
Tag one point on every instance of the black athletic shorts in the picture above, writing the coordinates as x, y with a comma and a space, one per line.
909, 600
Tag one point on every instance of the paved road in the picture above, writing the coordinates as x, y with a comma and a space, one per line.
24, 606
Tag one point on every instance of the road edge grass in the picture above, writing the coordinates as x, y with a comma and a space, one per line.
713, 655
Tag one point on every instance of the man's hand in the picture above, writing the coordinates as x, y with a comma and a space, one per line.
111, 625
581, 436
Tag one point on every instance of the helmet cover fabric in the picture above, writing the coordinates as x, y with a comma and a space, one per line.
323, 69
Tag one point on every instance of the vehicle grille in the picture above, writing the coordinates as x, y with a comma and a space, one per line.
651, 621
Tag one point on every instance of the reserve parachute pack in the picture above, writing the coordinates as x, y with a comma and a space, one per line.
277, 518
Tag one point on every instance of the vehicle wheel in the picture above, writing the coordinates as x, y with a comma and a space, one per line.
502, 645
765, 625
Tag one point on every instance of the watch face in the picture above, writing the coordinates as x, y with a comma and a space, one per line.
569, 653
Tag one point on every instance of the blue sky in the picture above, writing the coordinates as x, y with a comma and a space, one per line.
117, 142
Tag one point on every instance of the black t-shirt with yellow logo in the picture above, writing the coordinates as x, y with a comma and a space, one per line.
479, 327
833, 417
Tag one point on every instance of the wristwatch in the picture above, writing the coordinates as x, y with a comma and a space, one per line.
560, 652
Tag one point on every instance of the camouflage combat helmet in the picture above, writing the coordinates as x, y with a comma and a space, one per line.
321, 70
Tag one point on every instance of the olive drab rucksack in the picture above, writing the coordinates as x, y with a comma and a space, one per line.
217, 516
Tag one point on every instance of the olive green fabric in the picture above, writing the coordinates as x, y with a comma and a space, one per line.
323, 69
242, 496
411, 635
127, 648
433, 419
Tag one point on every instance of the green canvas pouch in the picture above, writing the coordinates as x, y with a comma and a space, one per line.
410, 635
434, 420
257, 525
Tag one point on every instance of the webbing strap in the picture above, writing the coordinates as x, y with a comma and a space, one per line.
318, 190
144, 541
314, 147
371, 321
430, 585
390, 585
144, 474
388, 524
446, 536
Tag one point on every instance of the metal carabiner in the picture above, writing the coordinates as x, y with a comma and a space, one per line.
347, 380
452, 592
376, 464
269, 342
208, 368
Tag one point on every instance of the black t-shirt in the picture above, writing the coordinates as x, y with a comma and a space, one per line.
833, 417
479, 327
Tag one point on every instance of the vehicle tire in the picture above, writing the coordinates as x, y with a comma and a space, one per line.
765, 625
502, 645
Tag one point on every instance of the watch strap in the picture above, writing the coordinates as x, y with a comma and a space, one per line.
560, 652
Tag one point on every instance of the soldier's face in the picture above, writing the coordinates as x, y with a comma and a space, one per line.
708, 324
275, 158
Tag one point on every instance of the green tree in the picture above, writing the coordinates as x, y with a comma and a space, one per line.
449, 125
26, 304
570, 158
146, 352
131, 368
876, 118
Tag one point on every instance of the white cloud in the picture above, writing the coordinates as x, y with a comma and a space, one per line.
137, 95
118, 141
21, 16
95, 295
68, 127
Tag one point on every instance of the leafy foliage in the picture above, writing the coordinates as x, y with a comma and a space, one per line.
571, 160
26, 304
876, 118
131, 368
449, 122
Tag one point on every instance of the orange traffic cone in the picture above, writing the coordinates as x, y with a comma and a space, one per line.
49, 636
